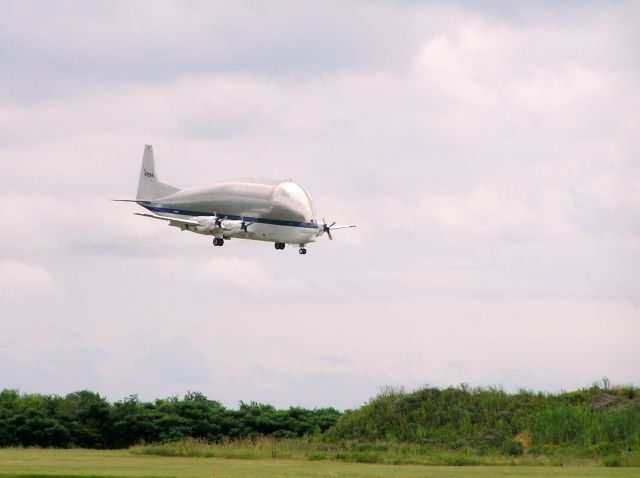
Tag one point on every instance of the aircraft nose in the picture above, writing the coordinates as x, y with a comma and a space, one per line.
291, 197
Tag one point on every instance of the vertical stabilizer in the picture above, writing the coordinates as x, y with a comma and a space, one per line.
149, 187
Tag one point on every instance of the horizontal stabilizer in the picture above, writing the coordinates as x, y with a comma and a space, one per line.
172, 220
137, 201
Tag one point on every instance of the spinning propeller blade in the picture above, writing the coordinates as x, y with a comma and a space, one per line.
327, 228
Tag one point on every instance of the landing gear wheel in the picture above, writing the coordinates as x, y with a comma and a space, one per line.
302, 251
218, 242
279, 245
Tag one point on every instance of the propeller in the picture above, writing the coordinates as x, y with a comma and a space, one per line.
244, 225
327, 228
217, 221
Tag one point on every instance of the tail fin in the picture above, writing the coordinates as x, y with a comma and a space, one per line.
148, 186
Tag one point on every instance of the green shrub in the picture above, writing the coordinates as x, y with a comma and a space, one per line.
460, 461
611, 461
366, 458
535, 451
606, 449
513, 448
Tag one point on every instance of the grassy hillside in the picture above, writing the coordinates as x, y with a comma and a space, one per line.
459, 426
605, 419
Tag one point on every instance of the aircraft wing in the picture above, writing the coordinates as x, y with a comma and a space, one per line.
343, 227
173, 221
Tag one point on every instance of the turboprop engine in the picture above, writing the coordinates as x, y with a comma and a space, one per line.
210, 224
218, 225
235, 226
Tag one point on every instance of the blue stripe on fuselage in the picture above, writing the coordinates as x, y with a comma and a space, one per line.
231, 217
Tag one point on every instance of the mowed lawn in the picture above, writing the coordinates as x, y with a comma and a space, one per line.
120, 463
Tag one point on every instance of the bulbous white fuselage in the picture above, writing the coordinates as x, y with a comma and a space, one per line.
271, 211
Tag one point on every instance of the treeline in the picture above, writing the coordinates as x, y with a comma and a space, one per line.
602, 419
86, 420
489, 418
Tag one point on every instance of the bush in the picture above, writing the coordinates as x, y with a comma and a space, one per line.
606, 449
317, 457
460, 461
513, 448
359, 457
535, 451
611, 461
366, 458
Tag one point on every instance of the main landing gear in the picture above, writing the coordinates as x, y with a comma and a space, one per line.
280, 246
218, 242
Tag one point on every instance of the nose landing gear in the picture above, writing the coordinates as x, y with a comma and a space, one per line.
302, 250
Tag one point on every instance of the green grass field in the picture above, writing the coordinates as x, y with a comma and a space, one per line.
389, 453
24, 463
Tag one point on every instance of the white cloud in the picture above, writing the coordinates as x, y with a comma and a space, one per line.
490, 160
20, 281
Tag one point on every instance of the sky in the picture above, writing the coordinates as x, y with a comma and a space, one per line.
488, 151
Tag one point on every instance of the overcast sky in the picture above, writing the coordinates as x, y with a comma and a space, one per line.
490, 154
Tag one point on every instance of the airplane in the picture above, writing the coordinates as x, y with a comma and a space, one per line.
272, 211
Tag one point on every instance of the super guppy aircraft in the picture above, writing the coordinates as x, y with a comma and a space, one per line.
274, 211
